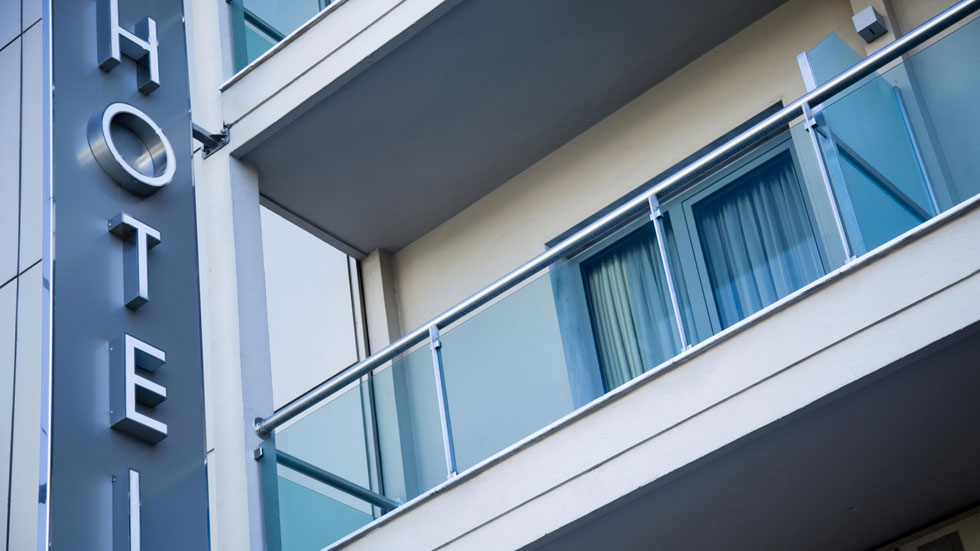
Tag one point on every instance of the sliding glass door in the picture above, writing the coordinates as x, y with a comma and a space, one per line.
735, 243
753, 238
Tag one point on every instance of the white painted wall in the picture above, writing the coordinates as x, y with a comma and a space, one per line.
308, 299
699, 103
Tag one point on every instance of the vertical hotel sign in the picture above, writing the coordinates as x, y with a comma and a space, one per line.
127, 434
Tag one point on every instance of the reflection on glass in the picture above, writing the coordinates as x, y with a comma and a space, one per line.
268, 22
311, 513
505, 373
409, 430
757, 240
881, 141
311, 520
632, 314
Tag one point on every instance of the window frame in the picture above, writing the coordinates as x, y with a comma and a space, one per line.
691, 276
681, 209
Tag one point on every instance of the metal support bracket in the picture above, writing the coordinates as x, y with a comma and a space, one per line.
210, 142
809, 121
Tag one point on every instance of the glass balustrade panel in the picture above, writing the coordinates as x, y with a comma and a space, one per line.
382, 434
900, 146
505, 372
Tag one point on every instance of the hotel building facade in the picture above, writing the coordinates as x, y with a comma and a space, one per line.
299, 275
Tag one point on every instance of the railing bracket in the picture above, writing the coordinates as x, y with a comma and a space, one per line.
210, 142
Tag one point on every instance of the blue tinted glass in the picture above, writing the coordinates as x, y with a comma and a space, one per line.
943, 104
866, 133
312, 520
284, 16
757, 240
505, 373
409, 429
256, 42
629, 302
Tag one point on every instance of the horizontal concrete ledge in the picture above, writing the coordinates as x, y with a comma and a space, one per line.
316, 60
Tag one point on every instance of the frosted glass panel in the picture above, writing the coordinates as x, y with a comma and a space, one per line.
505, 373
409, 430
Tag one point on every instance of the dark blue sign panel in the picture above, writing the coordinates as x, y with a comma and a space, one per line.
127, 435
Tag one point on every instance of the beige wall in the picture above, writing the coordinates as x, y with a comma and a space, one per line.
909, 14
703, 101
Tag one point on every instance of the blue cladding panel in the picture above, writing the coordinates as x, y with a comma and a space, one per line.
8, 317
32, 145
9, 158
9, 21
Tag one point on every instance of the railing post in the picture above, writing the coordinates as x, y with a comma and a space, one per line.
810, 123
915, 149
267, 456
658, 225
435, 345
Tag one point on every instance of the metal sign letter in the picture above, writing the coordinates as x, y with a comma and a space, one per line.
155, 165
115, 41
126, 511
127, 387
136, 286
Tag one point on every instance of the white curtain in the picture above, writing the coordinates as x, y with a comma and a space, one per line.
631, 311
757, 240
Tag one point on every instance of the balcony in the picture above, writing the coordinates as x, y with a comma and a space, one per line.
806, 211
381, 120
258, 25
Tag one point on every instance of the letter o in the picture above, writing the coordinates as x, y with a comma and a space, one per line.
156, 155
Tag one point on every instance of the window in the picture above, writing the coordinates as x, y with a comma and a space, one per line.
630, 307
736, 242
259, 24
756, 240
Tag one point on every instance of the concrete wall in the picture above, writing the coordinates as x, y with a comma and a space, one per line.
21, 135
703, 101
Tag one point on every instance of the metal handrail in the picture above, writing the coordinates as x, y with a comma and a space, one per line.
878, 60
322, 475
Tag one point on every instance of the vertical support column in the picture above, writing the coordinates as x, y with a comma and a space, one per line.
435, 345
658, 225
810, 124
